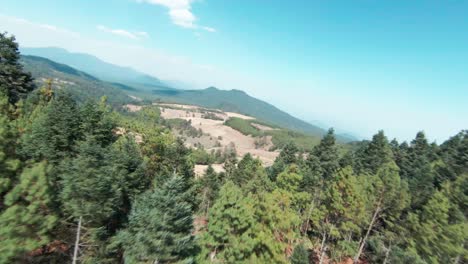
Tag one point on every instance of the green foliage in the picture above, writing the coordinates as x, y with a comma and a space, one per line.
26, 222
183, 126
373, 155
300, 255
246, 229
327, 154
54, 131
211, 182
14, 82
244, 126
160, 226
90, 189
9, 162
434, 237
281, 138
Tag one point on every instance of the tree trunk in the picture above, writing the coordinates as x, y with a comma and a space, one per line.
322, 248
312, 206
387, 254
369, 229
77, 242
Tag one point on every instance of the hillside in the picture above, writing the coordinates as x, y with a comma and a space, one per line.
240, 102
98, 68
80, 84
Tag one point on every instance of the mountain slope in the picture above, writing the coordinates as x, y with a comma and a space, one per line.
240, 102
80, 84
96, 67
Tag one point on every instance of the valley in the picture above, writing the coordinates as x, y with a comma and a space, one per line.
214, 135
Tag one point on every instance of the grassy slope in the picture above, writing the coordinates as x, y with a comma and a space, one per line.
240, 102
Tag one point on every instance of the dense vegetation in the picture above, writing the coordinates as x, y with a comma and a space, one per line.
72, 176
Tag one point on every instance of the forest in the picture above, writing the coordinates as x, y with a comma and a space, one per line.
76, 186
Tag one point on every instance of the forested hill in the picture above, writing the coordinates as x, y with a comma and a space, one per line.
80, 84
240, 102
96, 67
90, 86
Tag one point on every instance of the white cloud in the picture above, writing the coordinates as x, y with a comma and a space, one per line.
149, 60
209, 29
142, 34
123, 33
180, 13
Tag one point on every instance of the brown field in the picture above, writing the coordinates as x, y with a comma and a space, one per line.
215, 130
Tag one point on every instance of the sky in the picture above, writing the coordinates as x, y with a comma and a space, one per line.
359, 66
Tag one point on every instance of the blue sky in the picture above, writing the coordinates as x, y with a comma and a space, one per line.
360, 66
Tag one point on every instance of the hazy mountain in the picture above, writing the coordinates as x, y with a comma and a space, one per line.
79, 83
233, 100
98, 68
240, 102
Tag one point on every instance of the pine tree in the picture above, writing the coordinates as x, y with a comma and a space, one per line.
300, 255
433, 236
14, 82
387, 197
252, 229
340, 215
96, 121
211, 183
286, 157
26, 222
54, 132
90, 189
421, 175
228, 235
375, 154
327, 153
9, 163
160, 226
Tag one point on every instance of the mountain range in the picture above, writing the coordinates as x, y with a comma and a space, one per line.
102, 78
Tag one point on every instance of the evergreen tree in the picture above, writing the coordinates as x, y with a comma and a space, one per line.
327, 153
90, 190
421, 175
252, 229
340, 215
387, 197
248, 168
300, 255
433, 236
14, 82
228, 235
375, 154
211, 183
96, 121
160, 226
53, 132
26, 222
286, 157
9, 163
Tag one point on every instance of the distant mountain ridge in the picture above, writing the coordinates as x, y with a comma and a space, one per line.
240, 102
103, 70
119, 80
82, 85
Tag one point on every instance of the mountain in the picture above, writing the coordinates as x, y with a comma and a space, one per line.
80, 84
116, 88
99, 68
240, 102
